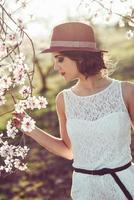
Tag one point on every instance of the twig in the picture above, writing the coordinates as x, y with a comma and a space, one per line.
125, 17
10, 111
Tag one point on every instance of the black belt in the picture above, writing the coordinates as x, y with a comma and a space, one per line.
113, 174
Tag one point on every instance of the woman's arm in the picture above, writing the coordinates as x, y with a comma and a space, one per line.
128, 93
59, 146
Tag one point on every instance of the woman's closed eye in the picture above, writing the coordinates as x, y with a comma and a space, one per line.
60, 59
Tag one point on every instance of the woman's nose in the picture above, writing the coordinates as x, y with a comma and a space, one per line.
56, 67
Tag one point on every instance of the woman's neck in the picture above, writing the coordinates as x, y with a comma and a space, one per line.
92, 84
92, 81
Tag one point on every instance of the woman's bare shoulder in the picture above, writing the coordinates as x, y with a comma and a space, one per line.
128, 87
128, 92
60, 97
60, 101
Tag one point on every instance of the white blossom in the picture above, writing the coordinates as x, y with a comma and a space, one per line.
21, 151
8, 163
19, 69
5, 82
31, 102
27, 124
12, 39
20, 23
130, 34
1, 167
1, 135
2, 71
20, 106
121, 23
11, 155
19, 58
22, 167
11, 130
42, 102
131, 22
2, 91
19, 165
36, 102
6, 150
2, 100
25, 91
19, 75
2, 1
10, 67
3, 49
16, 163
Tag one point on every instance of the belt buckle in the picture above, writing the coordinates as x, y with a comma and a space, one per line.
106, 171
92, 172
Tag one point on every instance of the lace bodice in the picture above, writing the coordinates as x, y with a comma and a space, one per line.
99, 128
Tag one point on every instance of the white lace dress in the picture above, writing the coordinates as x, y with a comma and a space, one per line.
99, 128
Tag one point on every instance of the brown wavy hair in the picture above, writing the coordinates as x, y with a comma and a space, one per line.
88, 63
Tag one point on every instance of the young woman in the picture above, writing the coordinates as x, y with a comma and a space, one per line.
95, 117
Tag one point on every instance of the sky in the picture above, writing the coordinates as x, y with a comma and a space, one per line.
49, 13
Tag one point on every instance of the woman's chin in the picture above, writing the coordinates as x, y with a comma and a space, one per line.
68, 78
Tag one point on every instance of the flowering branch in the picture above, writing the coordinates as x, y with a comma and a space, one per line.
129, 18
10, 111
106, 10
14, 73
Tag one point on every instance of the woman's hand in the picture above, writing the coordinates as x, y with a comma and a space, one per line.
23, 122
17, 118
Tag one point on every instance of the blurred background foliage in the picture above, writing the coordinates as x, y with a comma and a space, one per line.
49, 176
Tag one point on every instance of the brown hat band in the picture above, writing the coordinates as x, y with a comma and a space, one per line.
73, 44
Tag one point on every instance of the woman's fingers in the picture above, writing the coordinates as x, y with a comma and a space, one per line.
17, 118
16, 122
19, 115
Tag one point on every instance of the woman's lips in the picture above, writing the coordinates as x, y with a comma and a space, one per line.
62, 73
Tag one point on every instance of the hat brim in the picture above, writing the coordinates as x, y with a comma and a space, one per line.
60, 49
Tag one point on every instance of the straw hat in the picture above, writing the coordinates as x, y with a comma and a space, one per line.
72, 36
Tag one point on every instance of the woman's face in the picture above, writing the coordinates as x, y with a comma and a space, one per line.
65, 67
